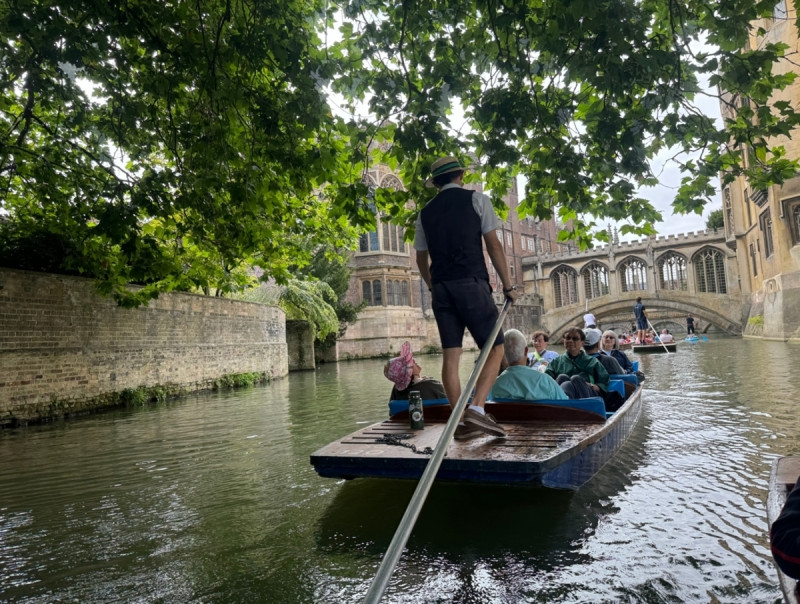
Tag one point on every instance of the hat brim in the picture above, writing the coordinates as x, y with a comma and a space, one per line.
430, 184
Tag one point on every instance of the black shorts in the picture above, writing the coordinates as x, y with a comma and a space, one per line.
465, 303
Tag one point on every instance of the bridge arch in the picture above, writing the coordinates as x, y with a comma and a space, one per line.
660, 310
675, 275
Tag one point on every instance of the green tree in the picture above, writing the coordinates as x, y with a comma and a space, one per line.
577, 96
331, 266
171, 143
715, 220
175, 144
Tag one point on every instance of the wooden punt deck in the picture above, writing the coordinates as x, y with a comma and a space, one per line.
556, 447
785, 471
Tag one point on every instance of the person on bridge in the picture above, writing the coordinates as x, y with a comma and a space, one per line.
450, 233
520, 381
690, 324
639, 312
589, 322
540, 357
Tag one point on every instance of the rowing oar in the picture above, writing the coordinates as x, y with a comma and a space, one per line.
403, 531
657, 335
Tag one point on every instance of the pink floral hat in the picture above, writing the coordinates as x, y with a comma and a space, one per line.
399, 369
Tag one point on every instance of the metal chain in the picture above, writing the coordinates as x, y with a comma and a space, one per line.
397, 440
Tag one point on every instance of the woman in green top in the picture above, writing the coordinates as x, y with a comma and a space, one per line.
576, 362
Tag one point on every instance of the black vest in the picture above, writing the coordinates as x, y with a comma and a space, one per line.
453, 232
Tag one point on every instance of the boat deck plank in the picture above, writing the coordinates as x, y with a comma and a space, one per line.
530, 439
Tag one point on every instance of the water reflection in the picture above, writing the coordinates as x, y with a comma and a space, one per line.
212, 499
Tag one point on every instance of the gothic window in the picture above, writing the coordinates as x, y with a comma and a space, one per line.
747, 206
753, 260
672, 272
795, 224
595, 280
728, 210
366, 293
565, 286
386, 227
766, 229
404, 299
709, 269
390, 293
633, 273
377, 297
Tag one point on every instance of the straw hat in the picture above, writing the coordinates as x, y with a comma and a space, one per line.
443, 165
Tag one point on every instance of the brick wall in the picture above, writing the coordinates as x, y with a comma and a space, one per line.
65, 349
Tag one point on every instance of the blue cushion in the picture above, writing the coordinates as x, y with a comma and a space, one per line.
396, 406
617, 386
625, 377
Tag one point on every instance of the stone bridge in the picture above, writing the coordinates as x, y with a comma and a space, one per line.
677, 275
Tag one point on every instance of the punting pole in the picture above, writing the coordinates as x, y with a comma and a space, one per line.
657, 335
406, 525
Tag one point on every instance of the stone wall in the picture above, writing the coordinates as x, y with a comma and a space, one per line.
64, 349
300, 345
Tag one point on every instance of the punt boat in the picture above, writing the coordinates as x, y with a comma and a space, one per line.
785, 471
557, 444
654, 348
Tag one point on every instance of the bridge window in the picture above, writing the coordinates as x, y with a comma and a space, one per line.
709, 267
595, 280
404, 300
672, 272
633, 273
366, 293
565, 286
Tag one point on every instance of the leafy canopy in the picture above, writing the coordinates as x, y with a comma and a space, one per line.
174, 144
577, 96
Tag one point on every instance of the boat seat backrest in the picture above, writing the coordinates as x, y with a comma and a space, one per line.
594, 404
398, 405
625, 377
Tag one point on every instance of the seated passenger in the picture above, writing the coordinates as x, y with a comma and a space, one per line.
784, 535
404, 371
575, 362
520, 381
609, 345
539, 357
592, 347
666, 337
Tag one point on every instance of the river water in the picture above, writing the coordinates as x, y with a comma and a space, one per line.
211, 498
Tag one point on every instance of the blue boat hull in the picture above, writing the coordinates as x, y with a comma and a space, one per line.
560, 448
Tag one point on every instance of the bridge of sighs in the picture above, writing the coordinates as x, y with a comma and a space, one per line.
677, 275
